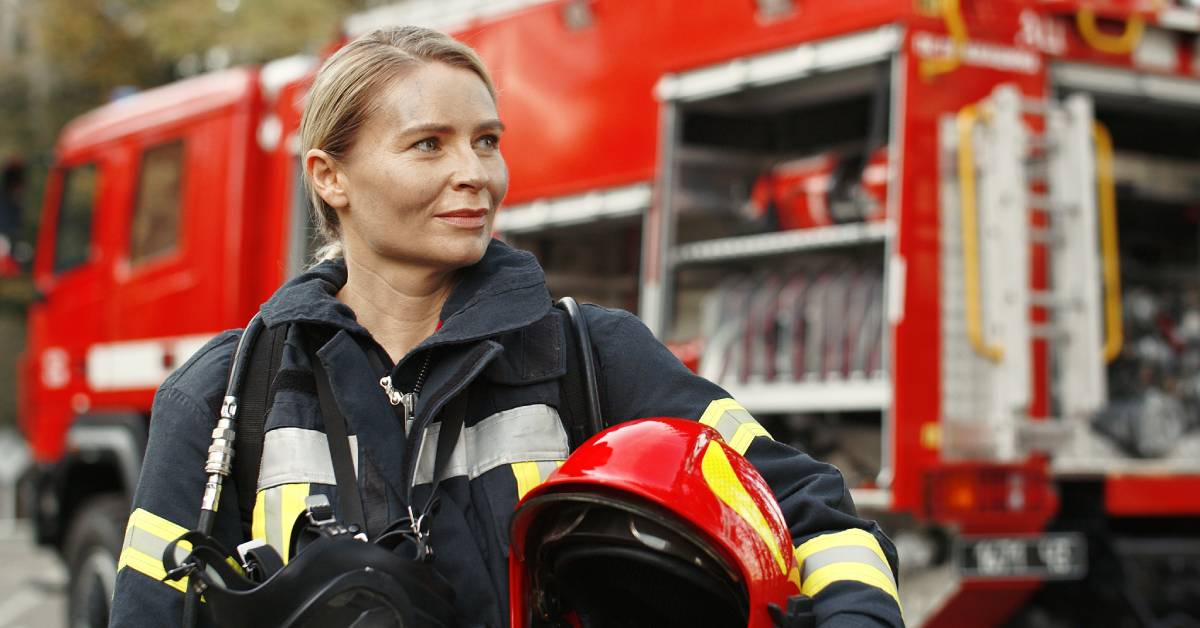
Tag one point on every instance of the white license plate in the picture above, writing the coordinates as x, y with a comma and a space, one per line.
1059, 556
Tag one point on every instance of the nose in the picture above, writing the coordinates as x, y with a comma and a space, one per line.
470, 173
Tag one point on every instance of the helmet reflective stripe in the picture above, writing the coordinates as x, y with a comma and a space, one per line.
146, 537
725, 485
733, 423
530, 474
847, 555
275, 512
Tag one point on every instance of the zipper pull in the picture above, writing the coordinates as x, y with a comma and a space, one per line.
394, 396
410, 405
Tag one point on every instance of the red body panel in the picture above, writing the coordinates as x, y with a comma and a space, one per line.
1126, 496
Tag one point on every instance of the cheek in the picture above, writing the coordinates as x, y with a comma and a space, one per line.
498, 186
404, 191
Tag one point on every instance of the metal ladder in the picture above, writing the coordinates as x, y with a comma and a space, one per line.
1006, 171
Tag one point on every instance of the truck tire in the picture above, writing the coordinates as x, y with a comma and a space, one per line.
93, 544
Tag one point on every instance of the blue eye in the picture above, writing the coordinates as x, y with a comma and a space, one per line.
427, 145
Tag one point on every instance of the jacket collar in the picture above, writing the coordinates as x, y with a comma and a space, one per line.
503, 292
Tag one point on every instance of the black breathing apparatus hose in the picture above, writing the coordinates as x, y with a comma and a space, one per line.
219, 464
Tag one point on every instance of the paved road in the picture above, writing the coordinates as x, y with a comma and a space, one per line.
31, 581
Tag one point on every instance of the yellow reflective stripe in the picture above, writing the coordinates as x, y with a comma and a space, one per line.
717, 409
146, 536
527, 477
145, 520
857, 572
736, 426
874, 574
746, 432
275, 512
853, 536
148, 565
531, 473
724, 482
258, 523
292, 504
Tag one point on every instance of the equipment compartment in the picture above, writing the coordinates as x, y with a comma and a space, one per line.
774, 231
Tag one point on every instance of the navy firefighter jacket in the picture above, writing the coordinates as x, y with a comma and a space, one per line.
503, 344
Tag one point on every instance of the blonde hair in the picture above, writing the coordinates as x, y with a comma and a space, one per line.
344, 93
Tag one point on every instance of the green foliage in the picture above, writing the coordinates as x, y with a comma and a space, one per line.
256, 31
75, 54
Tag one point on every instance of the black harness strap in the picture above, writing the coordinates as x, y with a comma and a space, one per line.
256, 398
454, 416
350, 504
580, 391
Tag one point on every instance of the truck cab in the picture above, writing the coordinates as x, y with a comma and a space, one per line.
156, 203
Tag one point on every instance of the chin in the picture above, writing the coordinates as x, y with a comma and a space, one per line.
464, 251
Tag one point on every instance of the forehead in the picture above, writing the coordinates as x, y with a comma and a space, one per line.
434, 92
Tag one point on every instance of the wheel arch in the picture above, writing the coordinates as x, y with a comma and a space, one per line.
104, 453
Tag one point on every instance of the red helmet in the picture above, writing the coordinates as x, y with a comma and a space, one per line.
655, 522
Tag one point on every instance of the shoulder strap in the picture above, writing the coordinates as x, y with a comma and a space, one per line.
257, 394
349, 500
580, 391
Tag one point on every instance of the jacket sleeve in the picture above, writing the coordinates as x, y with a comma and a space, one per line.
848, 565
167, 500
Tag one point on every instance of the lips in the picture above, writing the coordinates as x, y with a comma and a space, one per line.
463, 213
464, 218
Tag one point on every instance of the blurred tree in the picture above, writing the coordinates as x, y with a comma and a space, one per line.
233, 31
74, 55
61, 58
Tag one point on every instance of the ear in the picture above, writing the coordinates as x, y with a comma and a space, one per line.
327, 178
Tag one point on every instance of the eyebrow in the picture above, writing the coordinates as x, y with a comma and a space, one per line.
436, 128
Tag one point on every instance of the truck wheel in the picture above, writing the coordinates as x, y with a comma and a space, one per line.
92, 546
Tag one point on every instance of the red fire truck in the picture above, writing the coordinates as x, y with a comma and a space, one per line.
949, 245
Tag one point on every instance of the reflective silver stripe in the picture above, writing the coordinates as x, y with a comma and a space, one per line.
294, 455
524, 434
546, 467
147, 543
845, 554
736, 426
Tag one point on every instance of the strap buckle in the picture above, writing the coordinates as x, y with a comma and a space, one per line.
320, 514
320, 511
420, 535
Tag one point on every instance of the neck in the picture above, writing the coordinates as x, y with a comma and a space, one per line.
399, 305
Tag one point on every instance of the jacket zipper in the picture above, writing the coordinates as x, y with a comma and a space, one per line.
408, 400
472, 365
